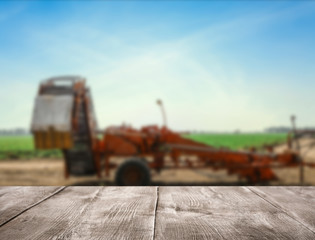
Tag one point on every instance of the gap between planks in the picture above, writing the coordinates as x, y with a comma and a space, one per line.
155, 211
33, 205
280, 208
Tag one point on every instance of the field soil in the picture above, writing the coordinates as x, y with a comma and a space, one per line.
47, 172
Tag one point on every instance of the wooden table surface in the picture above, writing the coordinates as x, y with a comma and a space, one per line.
157, 213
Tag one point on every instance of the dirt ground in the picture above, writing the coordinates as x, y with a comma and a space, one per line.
47, 172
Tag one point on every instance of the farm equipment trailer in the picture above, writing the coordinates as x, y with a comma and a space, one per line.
64, 118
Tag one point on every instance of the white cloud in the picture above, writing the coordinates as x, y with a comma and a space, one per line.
193, 95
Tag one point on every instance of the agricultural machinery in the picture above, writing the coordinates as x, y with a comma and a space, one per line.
64, 118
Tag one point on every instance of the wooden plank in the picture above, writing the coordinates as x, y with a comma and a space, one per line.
222, 213
88, 213
297, 202
14, 200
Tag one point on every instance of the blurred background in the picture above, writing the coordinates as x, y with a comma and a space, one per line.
230, 74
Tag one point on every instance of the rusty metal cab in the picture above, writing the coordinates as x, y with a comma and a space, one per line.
64, 118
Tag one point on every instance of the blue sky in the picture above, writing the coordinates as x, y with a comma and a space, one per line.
216, 65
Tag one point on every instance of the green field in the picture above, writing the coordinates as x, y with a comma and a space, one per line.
239, 141
22, 147
13, 143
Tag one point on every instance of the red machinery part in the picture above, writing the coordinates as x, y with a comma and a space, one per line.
158, 143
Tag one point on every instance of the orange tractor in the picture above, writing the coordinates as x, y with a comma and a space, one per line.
64, 118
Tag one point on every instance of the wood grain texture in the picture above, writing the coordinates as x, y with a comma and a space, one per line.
222, 213
14, 200
297, 202
88, 213
158, 213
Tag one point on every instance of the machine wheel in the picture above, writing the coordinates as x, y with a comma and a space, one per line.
133, 172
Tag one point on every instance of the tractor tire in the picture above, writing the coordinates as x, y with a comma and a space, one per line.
133, 172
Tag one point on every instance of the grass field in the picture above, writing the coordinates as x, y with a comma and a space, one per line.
13, 143
22, 147
239, 141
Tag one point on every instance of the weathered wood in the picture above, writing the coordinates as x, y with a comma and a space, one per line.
88, 213
297, 202
14, 200
157, 212
222, 213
